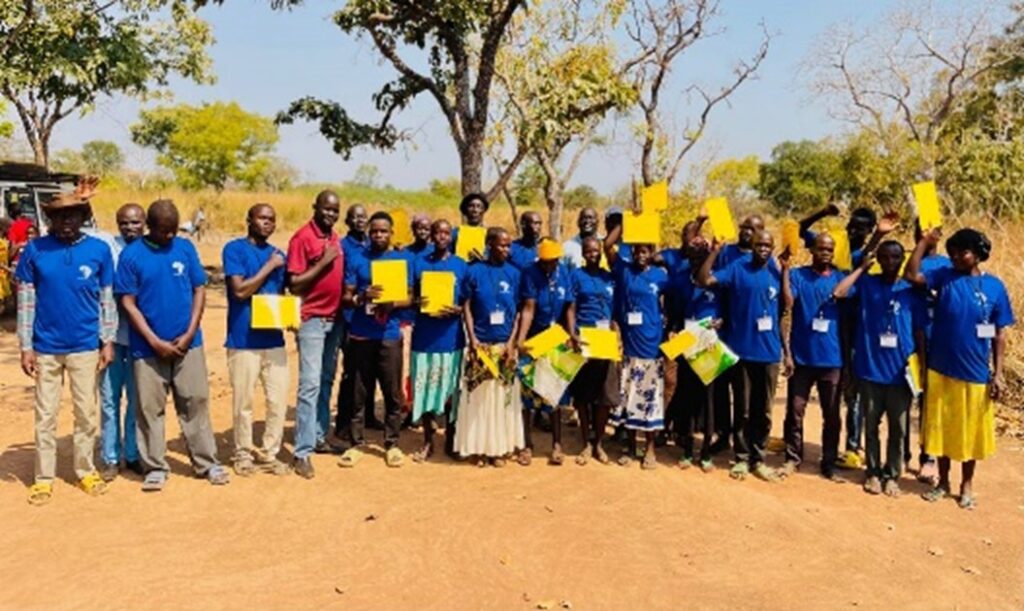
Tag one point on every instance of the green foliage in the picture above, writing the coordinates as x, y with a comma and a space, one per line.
367, 176
448, 188
734, 179
6, 127
97, 158
528, 185
208, 145
800, 176
583, 196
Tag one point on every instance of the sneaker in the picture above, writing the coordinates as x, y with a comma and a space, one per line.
304, 468
850, 460
109, 472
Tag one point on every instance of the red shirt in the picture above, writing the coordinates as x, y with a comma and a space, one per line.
304, 249
18, 231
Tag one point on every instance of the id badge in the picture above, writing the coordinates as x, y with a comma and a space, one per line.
497, 318
986, 330
635, 318
888, 340
369, 309
820, 325
765, 323
603, 324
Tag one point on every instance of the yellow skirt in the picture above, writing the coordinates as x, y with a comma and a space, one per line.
959, 419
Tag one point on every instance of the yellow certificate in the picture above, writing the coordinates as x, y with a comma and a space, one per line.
546, 341
470, 239
600, 344
722, 225
643, 228
928, 212
392, 276
842, 257
438, 288
655, 197
678, 344
401, 228
791, 237
276, 312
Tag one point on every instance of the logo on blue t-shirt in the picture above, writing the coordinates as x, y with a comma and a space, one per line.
654, 288
86, 272
505, 286
178, 267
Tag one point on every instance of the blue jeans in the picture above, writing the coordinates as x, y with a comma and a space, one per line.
319, 340
118, 378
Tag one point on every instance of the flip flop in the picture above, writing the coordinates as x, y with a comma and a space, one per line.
685, 462
557, 458
93, 484
891, 488
707, 466
968, 502
765, 473
217, 476
40, 493
421, 455
601, 456
394, 457
499, 462
154, 481
936, 494
583, 457
739, 471
350, 458
625, 460
525, 457
649, 463
873, 485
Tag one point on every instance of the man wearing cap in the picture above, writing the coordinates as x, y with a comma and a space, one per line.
573, 247
66, 325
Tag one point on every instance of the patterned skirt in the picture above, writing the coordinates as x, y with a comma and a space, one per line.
489, 420
435, 380
643, 395
959, 419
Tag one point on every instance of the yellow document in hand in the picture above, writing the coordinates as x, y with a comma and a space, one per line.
600, 344
392, 276
470, 239
546, 341
678, 344
655, 197
438, 288
791, 237
401, 228
842, 257
722, 225
928, 212
276, 312
643, 228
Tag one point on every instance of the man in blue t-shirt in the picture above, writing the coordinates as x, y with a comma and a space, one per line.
752, 286
813, 354
524, 249
374, 348
252, 266
66, 326
162, 287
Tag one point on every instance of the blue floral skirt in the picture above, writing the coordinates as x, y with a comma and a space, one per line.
643, 395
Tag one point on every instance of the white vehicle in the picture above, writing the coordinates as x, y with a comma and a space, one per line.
25, 187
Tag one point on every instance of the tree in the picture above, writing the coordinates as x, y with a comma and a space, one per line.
101, 157
456, 42
366, 176
735, 179
800, 176
208, 145
60, 56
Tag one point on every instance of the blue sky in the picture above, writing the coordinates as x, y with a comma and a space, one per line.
265, 59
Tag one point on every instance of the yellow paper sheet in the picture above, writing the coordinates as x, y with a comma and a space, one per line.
791, 237
546, 341
643, 228
678, 344
928, 212
392, 276
600, 344
488, 362
876, 269
655, 197
276, 312
913, 374
439, 290
841, 257
723, 226
470, 239
401, 228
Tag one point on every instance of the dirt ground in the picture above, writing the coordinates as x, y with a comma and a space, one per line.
445, 535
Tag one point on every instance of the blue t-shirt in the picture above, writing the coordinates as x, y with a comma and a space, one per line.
243, 258
435, 333
637, 301
375, 326
961, 348
521, 255
353, 250
162, 279
67, 279
729, 254
752, 325
691, 302
550, 295
493, 294
814, 337
930, 265
886, 313
594, 295
676, 262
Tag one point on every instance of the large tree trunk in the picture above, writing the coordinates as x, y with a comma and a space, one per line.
472, 159
554, 195
40, 151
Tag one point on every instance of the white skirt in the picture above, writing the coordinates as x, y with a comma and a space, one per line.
489, 422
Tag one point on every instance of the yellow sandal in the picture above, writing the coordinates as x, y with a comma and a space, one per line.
40, 493
350, 458
93, 484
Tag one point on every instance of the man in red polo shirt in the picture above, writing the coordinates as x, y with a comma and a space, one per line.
315, 271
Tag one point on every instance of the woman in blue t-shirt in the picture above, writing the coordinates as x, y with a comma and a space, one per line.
489, 425
972, 309
437, 341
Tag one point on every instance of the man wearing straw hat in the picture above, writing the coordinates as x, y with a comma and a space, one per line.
66, 325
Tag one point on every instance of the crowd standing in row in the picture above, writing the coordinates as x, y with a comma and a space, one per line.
130, 307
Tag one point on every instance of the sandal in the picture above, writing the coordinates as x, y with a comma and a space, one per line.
421, 455
650, 462
685, 462
394, 457
936, 494
891, 488
873, 485
217, 476
789, 468
93, 484
478, 461
244, 467
350, 458
275, 467
499, 462
601, 456
557, 458
967, 501
739, 471
154, 481
765, 473
625, 460
40, 493
525, 457
583, 457
707, 466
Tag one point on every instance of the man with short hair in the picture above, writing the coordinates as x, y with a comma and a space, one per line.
573, 247
162, 287
524, 249
252, 266
315, 269
66, 313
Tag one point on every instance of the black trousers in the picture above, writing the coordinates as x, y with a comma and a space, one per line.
752, 411
727, 392
797, 396
692, 401
370, 362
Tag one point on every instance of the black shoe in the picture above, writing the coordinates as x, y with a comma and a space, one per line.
304, 468
135, 466
109, 472
322, 447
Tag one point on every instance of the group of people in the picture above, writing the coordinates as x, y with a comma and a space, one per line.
130, 307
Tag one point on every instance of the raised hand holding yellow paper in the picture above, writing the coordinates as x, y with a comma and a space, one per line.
276, 312
643, 228
438, 288
841, 257
392, 276
600, 344
546, 341
791, 236
928, 212
723, 227
401, 228
470, 239
655, 197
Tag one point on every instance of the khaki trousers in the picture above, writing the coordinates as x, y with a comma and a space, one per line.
269, 368
81, 372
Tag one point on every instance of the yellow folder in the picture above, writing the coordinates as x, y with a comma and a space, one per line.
276, 312
470, 239
546, 341
655, 197
791, 237
678, 344
876, 269
841, 257
722, 224
928, 212
392, 276
600, 344
643, 228
439, 290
